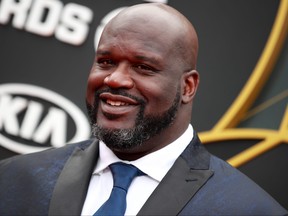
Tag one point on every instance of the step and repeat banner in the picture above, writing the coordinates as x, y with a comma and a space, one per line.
47, 48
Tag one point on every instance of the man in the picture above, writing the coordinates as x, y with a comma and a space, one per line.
139, 98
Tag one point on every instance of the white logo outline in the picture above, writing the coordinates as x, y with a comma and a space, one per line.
79, 118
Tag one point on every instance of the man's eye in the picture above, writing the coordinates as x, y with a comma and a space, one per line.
144, 68
105, 62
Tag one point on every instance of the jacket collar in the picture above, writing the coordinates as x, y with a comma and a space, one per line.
188, 174
72, 185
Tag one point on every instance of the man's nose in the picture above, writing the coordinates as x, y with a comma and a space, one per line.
120, 78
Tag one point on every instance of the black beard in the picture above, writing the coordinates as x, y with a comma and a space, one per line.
145, 126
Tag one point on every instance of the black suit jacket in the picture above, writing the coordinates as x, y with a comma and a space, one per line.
55, 182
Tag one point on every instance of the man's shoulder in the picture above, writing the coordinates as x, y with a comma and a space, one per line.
38, 159
230, 179
233, 190
31, 178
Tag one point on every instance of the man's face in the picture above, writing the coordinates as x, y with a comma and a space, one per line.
134, 86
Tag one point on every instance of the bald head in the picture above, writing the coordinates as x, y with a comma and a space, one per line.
156, 20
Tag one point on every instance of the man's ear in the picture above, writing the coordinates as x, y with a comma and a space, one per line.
190, 85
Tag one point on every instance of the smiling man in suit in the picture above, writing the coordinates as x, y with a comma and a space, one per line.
139, 98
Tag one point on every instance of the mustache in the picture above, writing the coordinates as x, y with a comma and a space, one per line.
119, 91
92, 108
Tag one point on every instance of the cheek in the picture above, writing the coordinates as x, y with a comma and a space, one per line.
160, 96
94, 82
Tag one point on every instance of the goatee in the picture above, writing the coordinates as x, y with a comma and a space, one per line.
145, 126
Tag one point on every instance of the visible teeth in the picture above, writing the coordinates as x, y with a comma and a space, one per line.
116, 103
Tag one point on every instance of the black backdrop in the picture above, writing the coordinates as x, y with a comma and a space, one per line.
232, 36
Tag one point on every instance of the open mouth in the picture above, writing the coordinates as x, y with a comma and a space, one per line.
116, 103
117, 100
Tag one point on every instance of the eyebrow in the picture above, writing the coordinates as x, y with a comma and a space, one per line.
153, 60
100, 52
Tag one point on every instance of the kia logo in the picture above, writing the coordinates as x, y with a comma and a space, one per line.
33, 118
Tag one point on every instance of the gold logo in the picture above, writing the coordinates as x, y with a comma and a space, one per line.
240, 109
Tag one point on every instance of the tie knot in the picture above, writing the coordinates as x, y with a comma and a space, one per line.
123, 174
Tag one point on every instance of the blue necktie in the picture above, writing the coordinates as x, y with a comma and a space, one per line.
123, 174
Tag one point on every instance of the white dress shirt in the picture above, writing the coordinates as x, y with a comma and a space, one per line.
155, 165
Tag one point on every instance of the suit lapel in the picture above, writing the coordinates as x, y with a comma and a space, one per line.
188, 174
71, 187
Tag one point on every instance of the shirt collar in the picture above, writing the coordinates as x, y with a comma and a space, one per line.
155, 164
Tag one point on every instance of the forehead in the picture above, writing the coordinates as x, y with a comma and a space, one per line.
126, 52
137, 39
